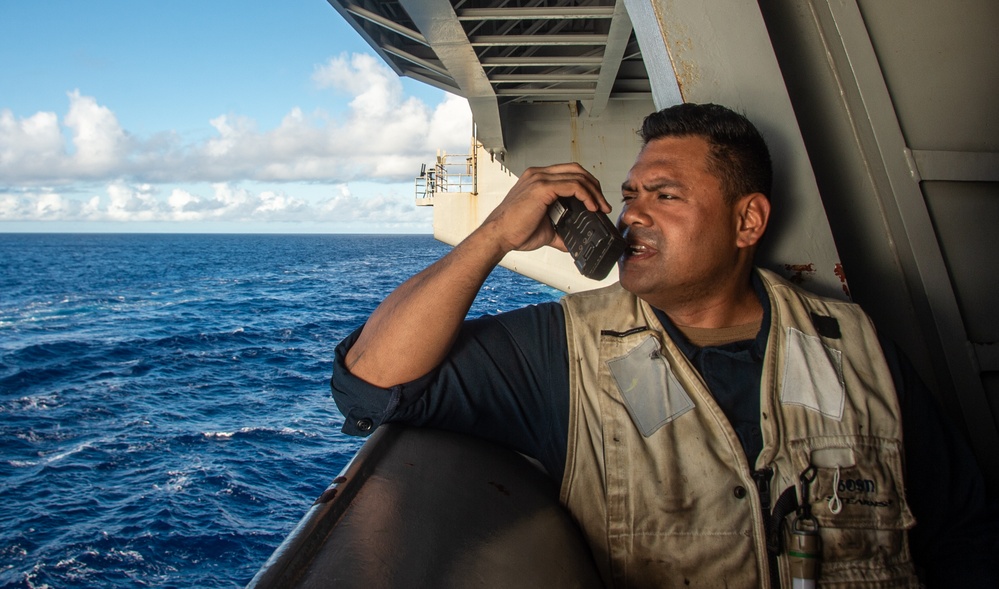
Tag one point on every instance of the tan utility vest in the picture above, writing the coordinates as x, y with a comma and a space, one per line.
657, 479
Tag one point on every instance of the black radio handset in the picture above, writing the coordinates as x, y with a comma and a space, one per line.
591, 238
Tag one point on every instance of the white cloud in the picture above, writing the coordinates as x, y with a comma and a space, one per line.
122, 202
366, 79
31, 144
98, 139
129, 203
383, 135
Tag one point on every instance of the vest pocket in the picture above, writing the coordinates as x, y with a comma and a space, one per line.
651, 392
858, 501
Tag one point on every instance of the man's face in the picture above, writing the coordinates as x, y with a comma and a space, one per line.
681, 231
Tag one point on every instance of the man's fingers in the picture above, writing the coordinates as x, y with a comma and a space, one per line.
568, 180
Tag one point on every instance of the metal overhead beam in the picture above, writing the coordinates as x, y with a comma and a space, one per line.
405, 55
548, 93
588, 42
617, 44
570, 94
385, 23
536, 13
541, 61
431, 79
438, 22
534, 78
536, 40
359, 25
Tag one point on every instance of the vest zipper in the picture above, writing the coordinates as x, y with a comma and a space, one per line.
762, 479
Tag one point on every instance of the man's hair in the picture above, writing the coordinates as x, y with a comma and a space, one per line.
739, 155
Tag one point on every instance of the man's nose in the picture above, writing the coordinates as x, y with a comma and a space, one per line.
634, 213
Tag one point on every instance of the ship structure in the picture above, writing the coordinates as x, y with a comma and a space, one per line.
880, 116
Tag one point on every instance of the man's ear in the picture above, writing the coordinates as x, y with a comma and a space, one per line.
752, 214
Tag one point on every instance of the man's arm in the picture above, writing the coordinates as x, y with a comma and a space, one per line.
412, 330
505, 379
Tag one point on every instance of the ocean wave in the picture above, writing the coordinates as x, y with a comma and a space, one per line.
251, 431
48, 351
177, 482
42, 402
53, 458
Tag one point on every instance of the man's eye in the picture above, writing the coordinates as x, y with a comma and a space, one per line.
665, 196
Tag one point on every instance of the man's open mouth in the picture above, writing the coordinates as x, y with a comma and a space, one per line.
639, 248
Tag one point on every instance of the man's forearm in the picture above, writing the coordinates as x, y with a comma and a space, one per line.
413, 328
410, 333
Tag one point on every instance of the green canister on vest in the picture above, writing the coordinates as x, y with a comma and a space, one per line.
804, 553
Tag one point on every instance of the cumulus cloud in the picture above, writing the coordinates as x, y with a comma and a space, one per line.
98, 140
225, 202
383, 135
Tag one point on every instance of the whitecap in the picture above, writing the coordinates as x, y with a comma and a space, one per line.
177, 482
39, 403
284, 431
30, 577
128, 556
78, 448
30, 436
289, 431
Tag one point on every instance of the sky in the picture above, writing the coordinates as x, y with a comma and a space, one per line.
209, 116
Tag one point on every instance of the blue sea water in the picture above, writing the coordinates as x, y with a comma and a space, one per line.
165, 417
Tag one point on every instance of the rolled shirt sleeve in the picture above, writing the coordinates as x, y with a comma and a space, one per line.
365, 406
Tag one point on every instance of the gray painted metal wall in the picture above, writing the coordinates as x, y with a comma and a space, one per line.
896, 104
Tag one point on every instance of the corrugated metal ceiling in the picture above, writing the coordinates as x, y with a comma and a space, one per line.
495, 52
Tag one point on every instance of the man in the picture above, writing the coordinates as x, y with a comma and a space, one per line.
703, 416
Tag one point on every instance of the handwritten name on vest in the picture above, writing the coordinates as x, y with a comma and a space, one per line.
865, 486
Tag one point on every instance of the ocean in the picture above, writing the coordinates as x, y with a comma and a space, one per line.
165, 416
